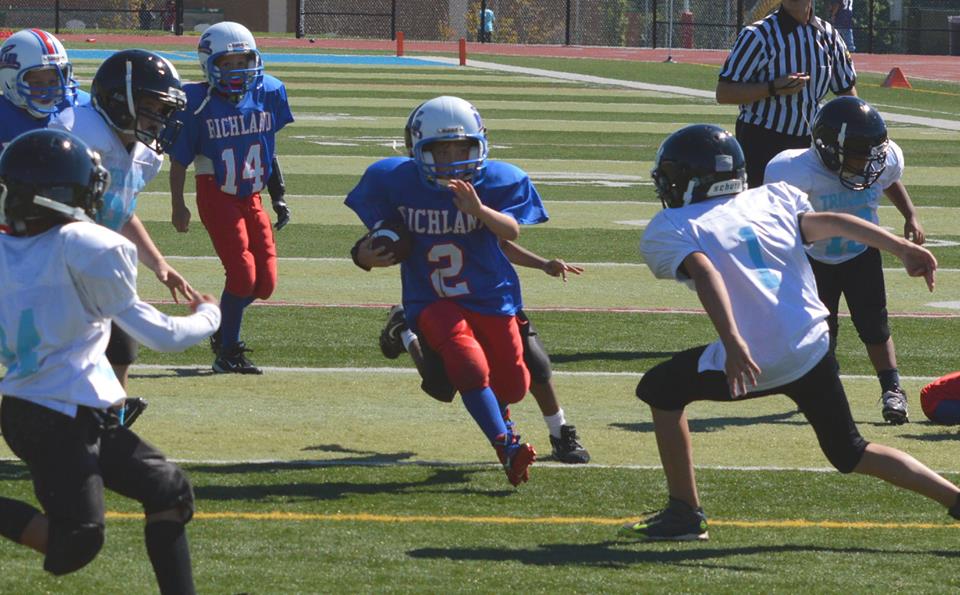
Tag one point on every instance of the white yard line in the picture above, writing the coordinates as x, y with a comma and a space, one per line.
598, 80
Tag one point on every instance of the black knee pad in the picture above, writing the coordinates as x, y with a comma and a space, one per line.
534, 354
873, 329
71, 546
846, 455
435, 382
172, 492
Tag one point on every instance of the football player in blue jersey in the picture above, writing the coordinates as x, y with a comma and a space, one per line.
397, 338
229, 131
460, 293
36, 78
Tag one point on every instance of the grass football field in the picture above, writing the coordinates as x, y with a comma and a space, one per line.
332, 472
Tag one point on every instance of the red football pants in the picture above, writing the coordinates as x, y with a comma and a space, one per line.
242, 236
478, 350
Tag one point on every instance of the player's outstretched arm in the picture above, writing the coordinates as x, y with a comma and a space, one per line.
161, 332
917, 260
520, 256
741, 370
150, 256
180, 215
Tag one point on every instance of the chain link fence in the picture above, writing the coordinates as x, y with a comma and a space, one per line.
77, 16
880, 26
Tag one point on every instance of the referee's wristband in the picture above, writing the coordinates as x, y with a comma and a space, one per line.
771, 89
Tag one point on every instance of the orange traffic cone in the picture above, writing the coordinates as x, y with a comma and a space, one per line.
896, 79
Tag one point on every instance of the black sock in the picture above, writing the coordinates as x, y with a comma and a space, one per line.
170, 555
889, 379
955, 509
14, 518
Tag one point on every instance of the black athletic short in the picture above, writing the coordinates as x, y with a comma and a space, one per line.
675, 383
760, 145
72, 459
860, 281
122, 349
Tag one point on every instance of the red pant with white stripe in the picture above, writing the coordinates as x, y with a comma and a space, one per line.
242, 236
478, 350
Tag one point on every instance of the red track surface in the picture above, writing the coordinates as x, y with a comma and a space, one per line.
946, 68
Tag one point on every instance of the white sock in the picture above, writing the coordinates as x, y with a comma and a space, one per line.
554, 422
408, 337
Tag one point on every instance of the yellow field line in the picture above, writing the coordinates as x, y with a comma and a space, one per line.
552, 520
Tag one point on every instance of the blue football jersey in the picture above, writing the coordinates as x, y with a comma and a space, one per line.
237, 138
14, 121
454, 255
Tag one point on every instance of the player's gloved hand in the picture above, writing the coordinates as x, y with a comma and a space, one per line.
283, 213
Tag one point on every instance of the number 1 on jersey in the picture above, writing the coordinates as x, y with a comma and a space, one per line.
251, 169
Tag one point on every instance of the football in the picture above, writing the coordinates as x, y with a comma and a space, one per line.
394, 237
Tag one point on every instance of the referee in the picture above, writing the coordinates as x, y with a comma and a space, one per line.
778, 71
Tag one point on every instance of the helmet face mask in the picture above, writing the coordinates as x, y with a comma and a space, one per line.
137, 93
446, 120
47, 177
850, 138
224, 42
696, 163
35, 74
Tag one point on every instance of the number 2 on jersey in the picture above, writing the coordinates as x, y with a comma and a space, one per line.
251, 169
451, 257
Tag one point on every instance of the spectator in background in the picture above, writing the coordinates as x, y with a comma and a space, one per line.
487, 18
841, 16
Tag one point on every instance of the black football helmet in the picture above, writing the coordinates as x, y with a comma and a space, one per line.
850, 137
124, 80
698, 162
50, 174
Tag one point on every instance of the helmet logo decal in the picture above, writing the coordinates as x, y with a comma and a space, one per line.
8, 59
205, 46
723, 163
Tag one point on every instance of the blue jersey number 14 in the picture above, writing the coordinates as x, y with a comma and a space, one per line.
251, 169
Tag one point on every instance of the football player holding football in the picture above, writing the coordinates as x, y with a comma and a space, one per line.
229, 134
850, 165
460, 293
129, 122
743, 252
63, 280
396, 338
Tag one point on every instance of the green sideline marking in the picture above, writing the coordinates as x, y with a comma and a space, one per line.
548, 520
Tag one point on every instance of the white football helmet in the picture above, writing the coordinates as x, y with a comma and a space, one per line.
228, 37
448, 119
34, 49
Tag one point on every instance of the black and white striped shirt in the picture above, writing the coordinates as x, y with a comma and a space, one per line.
777, 46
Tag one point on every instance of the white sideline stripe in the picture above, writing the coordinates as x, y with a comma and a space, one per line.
598, 80
385, 370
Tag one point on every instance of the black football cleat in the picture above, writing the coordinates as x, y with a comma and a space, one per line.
677, 522
391, 345
567, 448
215, 342
233, 361
894, 406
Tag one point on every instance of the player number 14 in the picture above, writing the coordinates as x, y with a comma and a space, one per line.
251, 169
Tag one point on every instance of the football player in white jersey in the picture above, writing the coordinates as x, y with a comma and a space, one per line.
743, 253
850, 165
63, 279
130, 123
